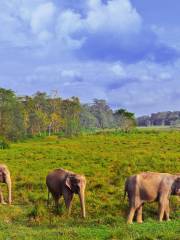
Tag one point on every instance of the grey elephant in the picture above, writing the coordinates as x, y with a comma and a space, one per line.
5, 177
149, 187
64, 183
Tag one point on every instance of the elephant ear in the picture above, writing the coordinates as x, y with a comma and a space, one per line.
68, 182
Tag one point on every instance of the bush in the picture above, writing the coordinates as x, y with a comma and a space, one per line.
4, 144
37, 212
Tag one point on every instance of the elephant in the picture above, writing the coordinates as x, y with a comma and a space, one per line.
63, 182
5, 177
150, 187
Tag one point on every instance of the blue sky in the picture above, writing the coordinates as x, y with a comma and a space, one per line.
124, 51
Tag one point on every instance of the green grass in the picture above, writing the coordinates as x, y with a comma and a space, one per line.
106, 159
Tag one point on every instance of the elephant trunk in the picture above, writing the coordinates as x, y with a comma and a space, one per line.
8, 181
82, 202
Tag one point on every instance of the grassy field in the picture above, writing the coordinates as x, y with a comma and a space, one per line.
106, 159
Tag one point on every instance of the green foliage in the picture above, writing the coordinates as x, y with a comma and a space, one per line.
11, 117
106, 159
87, 119
124, 120
103, 113
40, 114
37, 212
4, 143
71, 114
100, 115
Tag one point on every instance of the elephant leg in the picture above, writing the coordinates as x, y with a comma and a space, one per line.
135, 204
167, 210
56, 199
56, 202
8, 181
139, 214
2, 198
131, 215
161, 211
68, 196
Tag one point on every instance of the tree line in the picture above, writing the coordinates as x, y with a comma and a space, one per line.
169, 118
41, 114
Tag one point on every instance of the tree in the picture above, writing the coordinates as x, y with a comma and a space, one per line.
35, 112
43, 114
87, 119
11, 117
124, 119
71, 109
103, 113
56, 122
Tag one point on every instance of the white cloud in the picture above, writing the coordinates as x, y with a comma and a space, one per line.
69, 73
47, 21
116, 15
118, 70
68, 22
93, 4
42, 17
168, 35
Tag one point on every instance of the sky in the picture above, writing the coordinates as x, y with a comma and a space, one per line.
124, 51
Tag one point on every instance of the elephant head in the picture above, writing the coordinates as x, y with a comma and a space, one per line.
175, 189
77, 183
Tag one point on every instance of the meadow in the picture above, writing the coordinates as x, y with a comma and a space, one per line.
106, 159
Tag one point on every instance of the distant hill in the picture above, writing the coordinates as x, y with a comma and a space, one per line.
160, 119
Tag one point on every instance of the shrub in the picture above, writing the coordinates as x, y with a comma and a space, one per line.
37, 212
4, 144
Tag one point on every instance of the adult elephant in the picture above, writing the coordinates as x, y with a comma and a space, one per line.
149, 187
5, 178
64, 183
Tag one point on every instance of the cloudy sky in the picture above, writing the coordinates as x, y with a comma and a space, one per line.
124, 51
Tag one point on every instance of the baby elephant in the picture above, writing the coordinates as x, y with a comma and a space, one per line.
5, 178
149, 187
62, 182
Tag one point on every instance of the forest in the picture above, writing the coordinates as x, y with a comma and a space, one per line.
41, 114
168, 118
